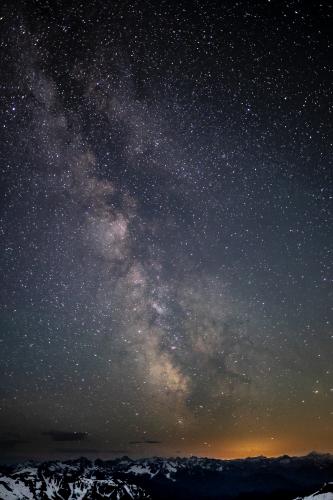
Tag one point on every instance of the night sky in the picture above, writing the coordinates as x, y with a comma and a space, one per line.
165, 222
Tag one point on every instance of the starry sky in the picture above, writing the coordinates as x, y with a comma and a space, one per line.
165, 221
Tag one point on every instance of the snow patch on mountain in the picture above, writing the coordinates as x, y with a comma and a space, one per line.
140, 469
325, 493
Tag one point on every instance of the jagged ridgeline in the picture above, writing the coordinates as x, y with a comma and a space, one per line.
283, 478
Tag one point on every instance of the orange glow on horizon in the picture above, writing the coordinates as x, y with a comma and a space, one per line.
254, 447
249, 448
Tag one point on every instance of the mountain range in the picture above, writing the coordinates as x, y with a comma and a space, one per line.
282, 478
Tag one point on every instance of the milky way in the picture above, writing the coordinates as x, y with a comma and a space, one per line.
165, 229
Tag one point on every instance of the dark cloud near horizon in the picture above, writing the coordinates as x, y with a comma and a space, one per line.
9, 440
91, 451
7, 444
66, 436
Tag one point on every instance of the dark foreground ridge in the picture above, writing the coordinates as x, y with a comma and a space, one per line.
282, 478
